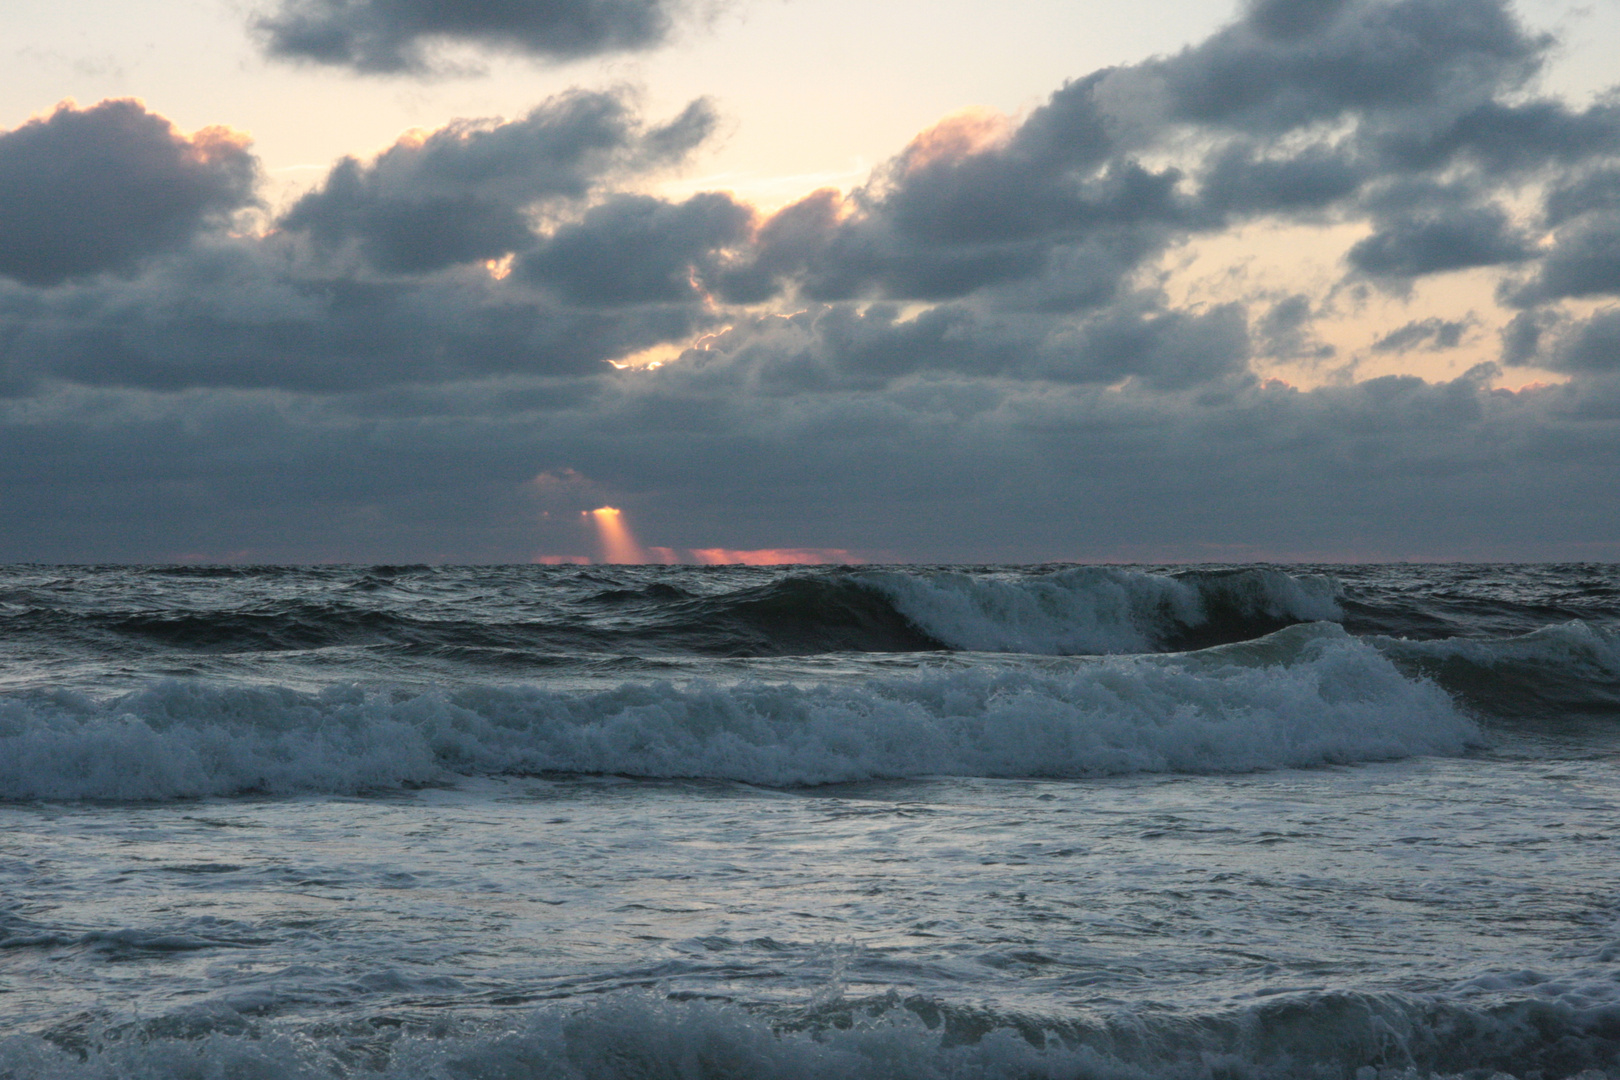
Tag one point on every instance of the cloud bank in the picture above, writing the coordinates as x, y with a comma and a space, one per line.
451, 349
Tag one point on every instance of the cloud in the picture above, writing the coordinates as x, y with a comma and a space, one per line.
988, 350
87, 191
943, 467
1585, 346
467, 192
635, 249
1293, 63
1433, 334
1284, 331
1584, 261
395, 36
1411, 112
1409, 245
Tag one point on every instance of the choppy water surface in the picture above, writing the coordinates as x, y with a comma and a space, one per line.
664, 821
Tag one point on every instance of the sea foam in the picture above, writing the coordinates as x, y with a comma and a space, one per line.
1305, 696
1325, 1035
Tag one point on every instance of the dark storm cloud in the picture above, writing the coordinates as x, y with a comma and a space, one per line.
466, 191
389, 36
84, 191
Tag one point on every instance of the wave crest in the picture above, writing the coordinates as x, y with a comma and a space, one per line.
1306, 696
1091, 610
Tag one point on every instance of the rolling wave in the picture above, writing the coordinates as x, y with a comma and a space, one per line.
1305, 696
1563, 671
1092, 610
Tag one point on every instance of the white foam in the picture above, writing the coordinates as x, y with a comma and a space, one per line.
1306, 696
639, 1036
1091, 610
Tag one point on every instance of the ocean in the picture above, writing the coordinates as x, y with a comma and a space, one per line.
470, 823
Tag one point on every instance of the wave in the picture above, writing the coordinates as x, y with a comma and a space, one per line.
1323, 1036
1089, 610
1557, 672
668, 610
1305, 696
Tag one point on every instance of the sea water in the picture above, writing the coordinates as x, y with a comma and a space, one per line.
1055, 821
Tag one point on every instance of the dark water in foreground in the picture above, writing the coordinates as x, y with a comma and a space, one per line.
885, 821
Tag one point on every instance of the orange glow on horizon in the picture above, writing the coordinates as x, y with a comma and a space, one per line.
618, 545
773, 556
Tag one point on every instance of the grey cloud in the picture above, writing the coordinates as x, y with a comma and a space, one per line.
1284, 331
85, 191
1592, 189
1523, 335
1290, 20
390, 36
1237, 180
1591, 345
1359, 55
931, 467
466, 191
1433, 334
635, 249
1436, 241
1505, 138
841, 347
1584, 261
237, 316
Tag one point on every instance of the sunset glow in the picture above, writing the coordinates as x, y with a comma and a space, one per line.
773, 556
618, 545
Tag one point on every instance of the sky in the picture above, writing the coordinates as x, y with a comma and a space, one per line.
809, 280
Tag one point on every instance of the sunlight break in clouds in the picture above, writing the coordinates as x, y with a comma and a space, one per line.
618, 545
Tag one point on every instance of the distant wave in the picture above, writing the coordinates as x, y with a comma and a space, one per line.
1304, 696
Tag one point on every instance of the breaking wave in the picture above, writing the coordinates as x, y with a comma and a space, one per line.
1089, 610
1304, 696
1321, 1036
